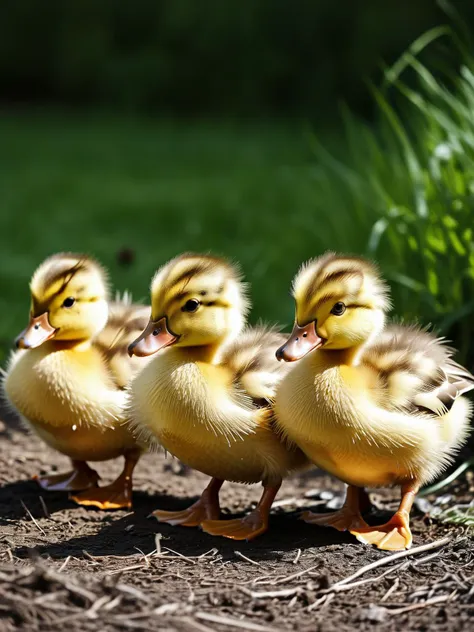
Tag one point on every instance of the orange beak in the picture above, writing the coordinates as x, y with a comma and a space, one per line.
300, 343
155, 337
38, 331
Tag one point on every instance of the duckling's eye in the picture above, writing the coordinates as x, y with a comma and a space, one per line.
69, 302
338, 309
191, 305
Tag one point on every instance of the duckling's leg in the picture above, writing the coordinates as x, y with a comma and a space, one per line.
346, 518
250, 526
117, 495
207, 507
395, 535
80, 477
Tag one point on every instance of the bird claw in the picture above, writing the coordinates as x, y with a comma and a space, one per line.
342, 520
73, 481
246, 528
395, 535
109, 497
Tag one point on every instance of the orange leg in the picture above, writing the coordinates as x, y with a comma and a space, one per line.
248, 527
80, 477
206, 508
346, 518
395, 535
117, 495
365, 504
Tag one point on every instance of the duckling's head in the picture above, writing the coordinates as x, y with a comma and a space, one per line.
341, 303
68, 301
197, 300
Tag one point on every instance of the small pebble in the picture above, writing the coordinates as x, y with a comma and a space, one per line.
335, 503
375, 614
326, 495
423, 505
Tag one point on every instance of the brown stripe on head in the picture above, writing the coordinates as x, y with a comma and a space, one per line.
331, 278
197, 276
58, 272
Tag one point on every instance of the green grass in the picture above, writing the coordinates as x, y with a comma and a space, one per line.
268, 195
97, 185
408, 183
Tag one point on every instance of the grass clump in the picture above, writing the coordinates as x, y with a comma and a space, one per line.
408, 185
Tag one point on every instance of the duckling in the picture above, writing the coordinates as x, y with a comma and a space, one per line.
67, 380
373, 406
206, 397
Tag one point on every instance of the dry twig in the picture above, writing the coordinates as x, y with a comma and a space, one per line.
247, 559
395, 556
236, 623
32, 517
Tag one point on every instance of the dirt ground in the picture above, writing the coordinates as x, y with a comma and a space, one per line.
63, 565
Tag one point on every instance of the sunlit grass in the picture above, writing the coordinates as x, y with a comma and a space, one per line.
408, 183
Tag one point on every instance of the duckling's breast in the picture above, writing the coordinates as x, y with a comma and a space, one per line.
176, 406
67, 398
317, 411
90, 443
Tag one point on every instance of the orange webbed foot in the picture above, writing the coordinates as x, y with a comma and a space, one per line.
73, 481
395, 535
206, 508
191, 517
108, 497
342, 520
246, 528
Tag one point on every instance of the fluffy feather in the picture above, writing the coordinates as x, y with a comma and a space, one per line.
125, 322
253, 365
416, 371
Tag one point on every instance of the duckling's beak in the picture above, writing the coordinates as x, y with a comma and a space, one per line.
38, 331
155, 337
300, 343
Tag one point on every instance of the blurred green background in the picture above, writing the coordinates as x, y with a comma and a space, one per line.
268, 131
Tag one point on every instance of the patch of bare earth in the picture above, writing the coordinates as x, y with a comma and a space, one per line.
66, 566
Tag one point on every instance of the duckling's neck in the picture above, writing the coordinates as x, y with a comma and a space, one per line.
71, 345
201, 353
348, 357
206, 353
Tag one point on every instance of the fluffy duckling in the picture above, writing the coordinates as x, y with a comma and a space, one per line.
372, 407
206, 396
68, 378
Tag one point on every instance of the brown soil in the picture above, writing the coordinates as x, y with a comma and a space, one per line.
63, 565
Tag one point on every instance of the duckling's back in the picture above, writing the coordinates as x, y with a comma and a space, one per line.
416, 371
253, 365
125, 322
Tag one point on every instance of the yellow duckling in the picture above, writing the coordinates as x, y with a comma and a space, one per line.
205, 397
372, 407
68, 378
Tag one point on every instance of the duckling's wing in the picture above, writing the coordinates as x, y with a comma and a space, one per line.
415, 371
126, 321
457, 381
253, 365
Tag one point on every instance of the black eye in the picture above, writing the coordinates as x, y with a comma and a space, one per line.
338, 309
69, 302
191, 305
